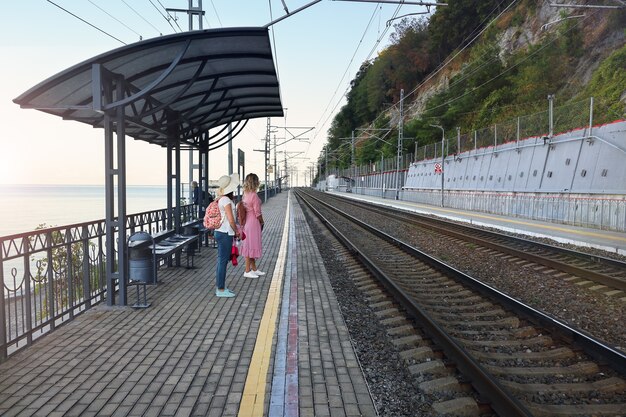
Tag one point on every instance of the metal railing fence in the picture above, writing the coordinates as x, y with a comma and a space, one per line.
602, 213
48, 276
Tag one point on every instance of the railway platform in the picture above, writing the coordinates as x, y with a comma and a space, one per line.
601, 239
279, 348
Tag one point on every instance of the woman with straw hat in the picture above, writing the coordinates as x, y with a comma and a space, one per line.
226, 232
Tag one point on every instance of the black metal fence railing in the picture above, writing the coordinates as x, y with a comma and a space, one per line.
48, 276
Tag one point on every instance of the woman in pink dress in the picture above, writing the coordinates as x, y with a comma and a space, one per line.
252, 227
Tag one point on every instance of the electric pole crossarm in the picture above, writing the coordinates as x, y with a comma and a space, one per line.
306, 6
297, 136
588, 6
403, 2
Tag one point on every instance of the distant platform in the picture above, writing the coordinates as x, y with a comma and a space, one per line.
614, 242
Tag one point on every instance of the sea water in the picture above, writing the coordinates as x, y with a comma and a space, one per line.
25, 207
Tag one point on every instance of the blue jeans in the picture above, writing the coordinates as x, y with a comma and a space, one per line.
224, 248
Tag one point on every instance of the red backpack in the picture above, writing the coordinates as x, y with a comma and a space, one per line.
213, 217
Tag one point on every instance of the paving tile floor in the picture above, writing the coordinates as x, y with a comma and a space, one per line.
189, 353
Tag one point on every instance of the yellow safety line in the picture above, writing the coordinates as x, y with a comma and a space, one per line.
252, 401
540, 226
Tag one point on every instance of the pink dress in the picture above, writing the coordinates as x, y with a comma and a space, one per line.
252, 244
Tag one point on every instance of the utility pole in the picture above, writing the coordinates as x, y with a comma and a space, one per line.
352, 164
400, 137
287, 182
326, 165
276, 173
286, 139
266, 153
191, 12
267, 159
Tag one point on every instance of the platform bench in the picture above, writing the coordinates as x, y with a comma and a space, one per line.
166, 243
204, 234
169, 243
160, 246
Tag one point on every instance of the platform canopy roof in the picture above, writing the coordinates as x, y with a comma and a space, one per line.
178, 85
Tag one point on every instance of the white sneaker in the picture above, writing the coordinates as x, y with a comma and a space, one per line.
250, 274
259, 272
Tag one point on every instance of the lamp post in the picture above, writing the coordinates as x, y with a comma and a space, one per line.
443, 138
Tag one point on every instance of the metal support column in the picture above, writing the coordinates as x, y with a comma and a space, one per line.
205, 176
200, 186
170, 179
103, 85
3, 323
177, 222
122, 252
109, 202
173, 181
102, 94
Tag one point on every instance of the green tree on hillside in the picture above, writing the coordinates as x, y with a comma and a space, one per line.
453, 26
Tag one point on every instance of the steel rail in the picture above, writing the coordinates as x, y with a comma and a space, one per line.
500, 400
435, 224
594, 347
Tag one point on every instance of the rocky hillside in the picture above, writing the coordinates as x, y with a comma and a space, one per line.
475, 63
533, 23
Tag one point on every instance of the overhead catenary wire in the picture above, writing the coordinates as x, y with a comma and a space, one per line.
216, 14
168, 14
380, 38
118, 20
274, 41
464, 45
376, 10
141, 16
348, 87
84, 21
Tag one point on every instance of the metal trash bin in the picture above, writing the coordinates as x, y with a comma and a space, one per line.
141, 262
193, 246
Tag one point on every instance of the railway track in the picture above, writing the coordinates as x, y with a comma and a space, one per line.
600, 273
520, 361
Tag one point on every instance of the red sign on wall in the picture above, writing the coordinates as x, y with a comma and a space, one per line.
438, 169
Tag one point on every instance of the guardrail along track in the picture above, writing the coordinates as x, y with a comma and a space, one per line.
601, 270
516, 357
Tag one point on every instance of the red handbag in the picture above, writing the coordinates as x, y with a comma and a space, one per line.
234, 253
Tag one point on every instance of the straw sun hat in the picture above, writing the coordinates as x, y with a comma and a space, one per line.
228, 183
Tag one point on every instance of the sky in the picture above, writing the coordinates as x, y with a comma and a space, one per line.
317, 53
